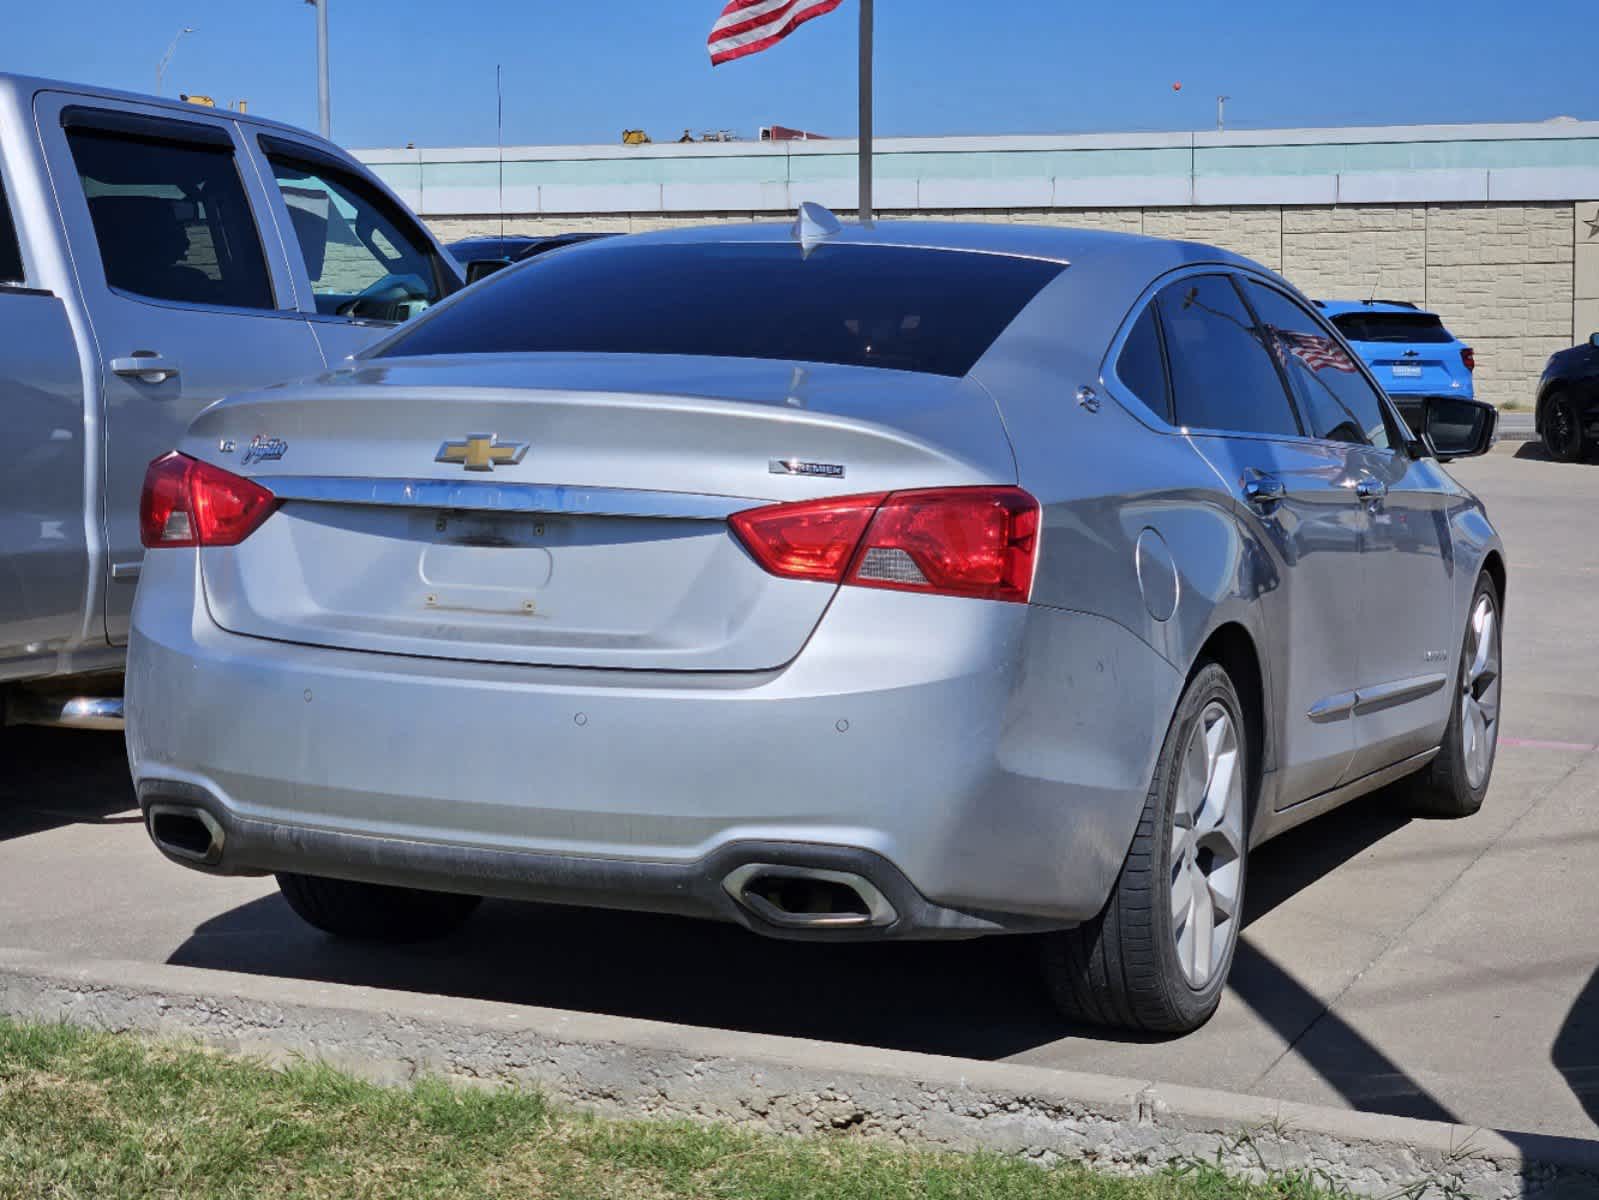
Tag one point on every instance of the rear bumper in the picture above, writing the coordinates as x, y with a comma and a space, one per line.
918, 738
705, 887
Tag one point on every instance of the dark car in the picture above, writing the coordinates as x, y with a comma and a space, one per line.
1568, 402
483, 256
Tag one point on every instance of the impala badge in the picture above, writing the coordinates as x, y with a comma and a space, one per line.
264, 449
482, 452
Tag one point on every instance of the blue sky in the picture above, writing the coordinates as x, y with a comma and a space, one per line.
423, 72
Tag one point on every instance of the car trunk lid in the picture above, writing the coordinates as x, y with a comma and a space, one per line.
579, 515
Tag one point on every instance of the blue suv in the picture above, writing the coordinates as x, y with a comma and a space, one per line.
1408, 349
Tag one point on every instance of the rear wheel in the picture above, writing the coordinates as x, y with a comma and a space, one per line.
1454, 784
1563, 435
374, 912
1156, 957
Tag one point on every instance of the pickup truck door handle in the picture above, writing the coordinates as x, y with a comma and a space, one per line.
146, 366
1371, 491
1265, 490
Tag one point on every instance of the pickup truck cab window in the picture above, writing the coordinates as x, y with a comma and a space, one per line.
10, 250
171, 218
364, 260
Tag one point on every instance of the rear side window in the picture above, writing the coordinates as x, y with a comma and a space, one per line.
172, 220
1222, 374
1392, 327
908, 309
1337, 402
363, 263
10, 251
1141, 366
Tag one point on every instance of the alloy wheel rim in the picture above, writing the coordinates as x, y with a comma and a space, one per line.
1565, 427
1479, 692
1207, 845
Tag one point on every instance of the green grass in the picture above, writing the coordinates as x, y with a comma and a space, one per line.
98, 1115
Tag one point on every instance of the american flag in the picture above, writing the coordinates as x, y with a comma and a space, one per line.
749, 26
1316, 351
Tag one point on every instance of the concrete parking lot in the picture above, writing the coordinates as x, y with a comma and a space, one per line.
1423, 968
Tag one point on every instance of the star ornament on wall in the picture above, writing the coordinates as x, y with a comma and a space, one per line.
1593, 227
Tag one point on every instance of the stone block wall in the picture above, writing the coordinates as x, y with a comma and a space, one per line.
1515, 281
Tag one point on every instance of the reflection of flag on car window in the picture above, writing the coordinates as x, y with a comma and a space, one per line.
1316, 352
747, 26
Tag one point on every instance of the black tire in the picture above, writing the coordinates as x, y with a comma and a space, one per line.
1122, 967
371, 912
1443, 788
1563, 434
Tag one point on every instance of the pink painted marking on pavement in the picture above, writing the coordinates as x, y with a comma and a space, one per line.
1514, 743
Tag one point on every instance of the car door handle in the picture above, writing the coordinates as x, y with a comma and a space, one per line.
1371, 490
1265, 490
146, 366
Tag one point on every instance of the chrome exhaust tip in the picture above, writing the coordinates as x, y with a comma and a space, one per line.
809, 897
186, 833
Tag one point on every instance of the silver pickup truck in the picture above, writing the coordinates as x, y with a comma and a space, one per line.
154, 257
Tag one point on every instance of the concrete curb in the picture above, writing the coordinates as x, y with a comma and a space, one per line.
627, 1067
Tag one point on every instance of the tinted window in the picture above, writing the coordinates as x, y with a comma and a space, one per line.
876, 306
172, 220
1334, 397
1141, 366
1222, 374
1391, 327
363, 262
10, 252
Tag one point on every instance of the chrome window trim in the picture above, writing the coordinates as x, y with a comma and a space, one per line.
485, 496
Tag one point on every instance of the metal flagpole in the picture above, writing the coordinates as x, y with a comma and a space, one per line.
324, 102
866, 112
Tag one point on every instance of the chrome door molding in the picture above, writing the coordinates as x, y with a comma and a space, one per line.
1380, 695
1400, 691
1334, 708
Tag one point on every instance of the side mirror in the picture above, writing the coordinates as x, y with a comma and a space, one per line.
1593, 340
1455, 427
482, 268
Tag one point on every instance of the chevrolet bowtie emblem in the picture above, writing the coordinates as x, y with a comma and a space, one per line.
482, 452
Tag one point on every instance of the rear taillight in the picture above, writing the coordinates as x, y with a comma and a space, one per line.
187, 502
976, 541
1468, 356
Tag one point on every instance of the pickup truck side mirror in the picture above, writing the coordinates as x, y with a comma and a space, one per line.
1455, 427
482, 268
1593, 340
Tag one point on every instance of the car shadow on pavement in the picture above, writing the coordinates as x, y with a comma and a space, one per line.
1345, 1059
1575, 1052
57, 777
982, 999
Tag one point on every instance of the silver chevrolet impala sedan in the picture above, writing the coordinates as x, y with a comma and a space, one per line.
896, 581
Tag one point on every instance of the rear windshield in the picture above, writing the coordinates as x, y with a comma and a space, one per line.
1391, 327
934, 311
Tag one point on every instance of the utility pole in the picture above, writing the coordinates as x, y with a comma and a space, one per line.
324, 103
161, 68
1221, 112
866, 113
